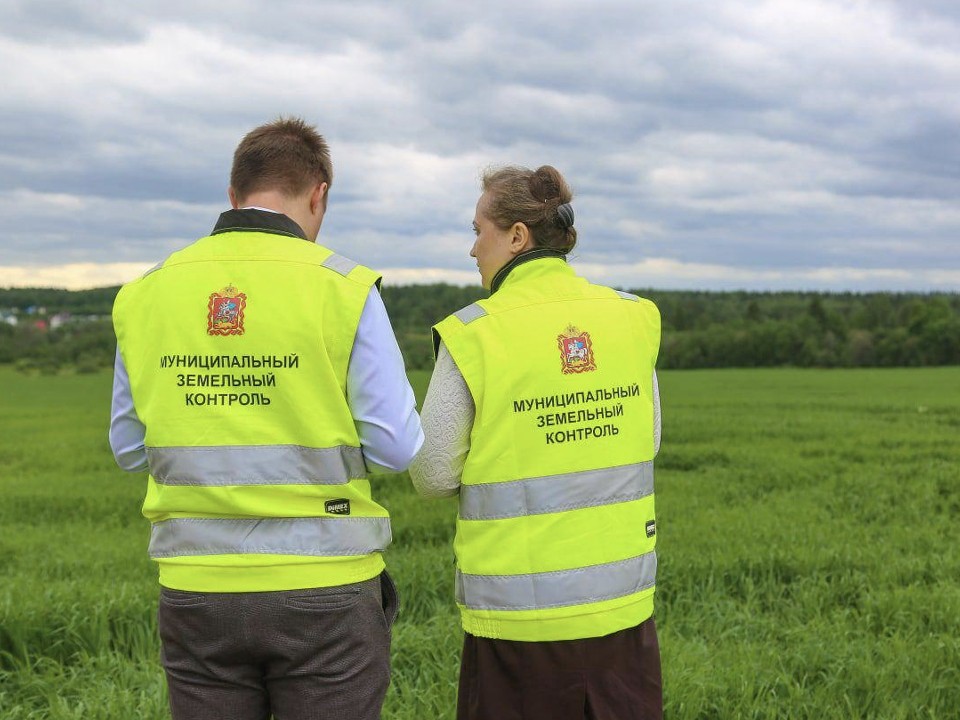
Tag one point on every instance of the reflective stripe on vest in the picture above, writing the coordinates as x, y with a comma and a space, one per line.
628, 296
275, 536
255, 465
556, 493
537, 591
470, 313
340, 264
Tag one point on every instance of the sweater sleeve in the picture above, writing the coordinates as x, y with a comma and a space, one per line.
447, 417
656, 414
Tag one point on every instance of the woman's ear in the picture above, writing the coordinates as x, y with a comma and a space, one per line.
520, 238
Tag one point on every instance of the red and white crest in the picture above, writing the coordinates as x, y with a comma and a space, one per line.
576, 351
225, 312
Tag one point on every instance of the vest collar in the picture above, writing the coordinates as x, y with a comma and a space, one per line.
535, 254
262, 221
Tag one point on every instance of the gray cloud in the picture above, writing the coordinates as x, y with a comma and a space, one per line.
798, 137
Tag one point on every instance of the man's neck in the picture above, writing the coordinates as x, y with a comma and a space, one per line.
273, 201
257, 207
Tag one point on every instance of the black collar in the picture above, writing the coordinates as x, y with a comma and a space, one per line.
520, 259
250, 220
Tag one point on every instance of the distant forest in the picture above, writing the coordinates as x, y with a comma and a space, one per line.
700, 329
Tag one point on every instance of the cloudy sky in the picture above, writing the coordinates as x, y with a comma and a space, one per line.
717, 144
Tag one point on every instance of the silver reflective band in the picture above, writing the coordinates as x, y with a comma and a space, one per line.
340, 264
255, 465
470, 313
538, 591
628, 296
320, 537
154, 268
556, 493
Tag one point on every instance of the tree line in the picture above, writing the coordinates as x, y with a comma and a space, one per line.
700, 329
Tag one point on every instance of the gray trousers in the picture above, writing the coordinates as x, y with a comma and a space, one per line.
296, 655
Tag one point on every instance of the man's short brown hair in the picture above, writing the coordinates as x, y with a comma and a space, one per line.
285, 155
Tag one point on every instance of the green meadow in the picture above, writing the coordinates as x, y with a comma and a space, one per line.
808, 542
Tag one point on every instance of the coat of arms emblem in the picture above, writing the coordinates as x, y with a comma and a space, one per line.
225, 312
576, 351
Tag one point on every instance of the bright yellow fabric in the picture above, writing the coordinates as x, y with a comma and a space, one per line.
290, 366
513, 362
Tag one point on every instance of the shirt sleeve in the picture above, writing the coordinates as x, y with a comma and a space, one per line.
379, 394
127, 433
448, 413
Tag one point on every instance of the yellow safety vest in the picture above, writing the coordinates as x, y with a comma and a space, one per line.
556, 531
237, 350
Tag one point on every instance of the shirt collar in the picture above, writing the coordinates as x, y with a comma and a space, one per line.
520, 259
256, 220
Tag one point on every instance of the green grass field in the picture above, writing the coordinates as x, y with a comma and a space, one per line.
808, 529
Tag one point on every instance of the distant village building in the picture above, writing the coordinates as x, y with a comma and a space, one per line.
59, 319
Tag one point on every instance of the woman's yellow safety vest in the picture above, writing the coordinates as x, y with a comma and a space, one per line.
237, 350
556, 530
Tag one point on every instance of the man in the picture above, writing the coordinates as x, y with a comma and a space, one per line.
258, 379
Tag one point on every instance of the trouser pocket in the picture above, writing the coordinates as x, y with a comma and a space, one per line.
390, 598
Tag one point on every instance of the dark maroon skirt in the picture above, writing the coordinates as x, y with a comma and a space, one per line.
615, 677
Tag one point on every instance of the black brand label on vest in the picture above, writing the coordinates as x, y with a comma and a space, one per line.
337, 507
651, 528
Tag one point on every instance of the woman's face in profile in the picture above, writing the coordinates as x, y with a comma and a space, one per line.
492, 248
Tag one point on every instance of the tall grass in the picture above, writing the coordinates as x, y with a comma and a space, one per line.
808, 526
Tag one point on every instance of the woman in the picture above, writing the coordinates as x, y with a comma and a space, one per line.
542, 413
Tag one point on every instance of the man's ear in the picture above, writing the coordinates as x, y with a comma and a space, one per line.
317, 197
234, 203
